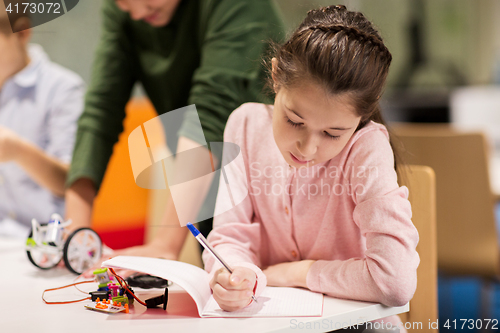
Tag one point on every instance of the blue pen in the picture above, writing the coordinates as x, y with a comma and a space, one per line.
203, 241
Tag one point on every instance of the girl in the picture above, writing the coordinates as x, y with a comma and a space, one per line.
324, 209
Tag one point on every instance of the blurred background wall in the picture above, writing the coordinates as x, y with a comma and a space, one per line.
436, 44
70, 40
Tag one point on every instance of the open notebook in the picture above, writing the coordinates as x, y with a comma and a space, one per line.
273, 302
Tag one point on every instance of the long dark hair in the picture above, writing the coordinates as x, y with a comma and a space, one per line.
341, 51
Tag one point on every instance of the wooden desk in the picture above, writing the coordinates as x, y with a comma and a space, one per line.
22, 308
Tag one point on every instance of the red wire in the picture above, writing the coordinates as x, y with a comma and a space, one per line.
69, 285
118, 278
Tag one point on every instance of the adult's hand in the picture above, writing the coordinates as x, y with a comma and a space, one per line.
149, 250
79, 201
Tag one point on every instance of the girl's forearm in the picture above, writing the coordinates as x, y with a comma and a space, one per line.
300, 272
289, 274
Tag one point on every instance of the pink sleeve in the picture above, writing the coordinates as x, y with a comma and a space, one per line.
387, 272
235, 236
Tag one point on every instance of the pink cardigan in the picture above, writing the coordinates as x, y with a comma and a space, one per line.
348, 213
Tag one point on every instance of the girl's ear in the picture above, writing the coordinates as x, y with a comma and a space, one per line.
274, 66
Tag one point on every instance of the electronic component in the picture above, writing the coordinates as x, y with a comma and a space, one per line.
101, 277
120, 299
146, 281
113, 289
107, 307
99, 294
155, 301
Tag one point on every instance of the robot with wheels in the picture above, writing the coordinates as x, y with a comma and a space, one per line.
46, 245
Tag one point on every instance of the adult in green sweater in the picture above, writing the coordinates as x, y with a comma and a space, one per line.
183, 52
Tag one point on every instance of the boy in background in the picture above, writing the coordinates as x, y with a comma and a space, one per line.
40, 103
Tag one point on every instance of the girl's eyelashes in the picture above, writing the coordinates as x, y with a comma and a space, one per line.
293, 123
333, 137
328, 135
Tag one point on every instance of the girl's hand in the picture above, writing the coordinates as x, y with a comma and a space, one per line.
233, 291
288, 274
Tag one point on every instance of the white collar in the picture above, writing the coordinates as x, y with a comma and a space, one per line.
28, 76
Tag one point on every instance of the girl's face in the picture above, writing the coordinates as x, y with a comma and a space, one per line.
311, 126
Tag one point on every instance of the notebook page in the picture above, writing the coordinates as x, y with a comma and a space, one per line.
274, 302
192, 279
